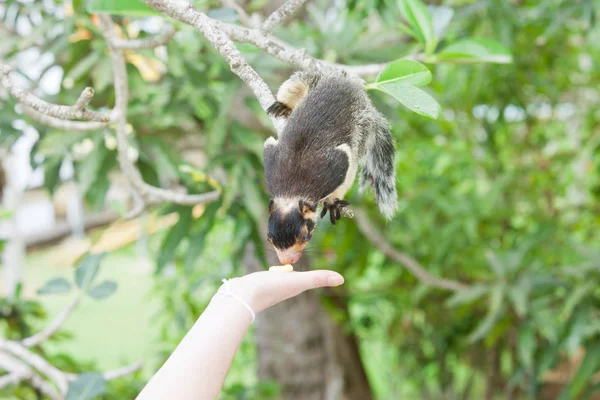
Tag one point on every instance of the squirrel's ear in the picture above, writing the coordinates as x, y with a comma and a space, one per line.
306, 207
271, 206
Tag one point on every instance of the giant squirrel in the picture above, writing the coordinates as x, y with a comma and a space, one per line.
331, 129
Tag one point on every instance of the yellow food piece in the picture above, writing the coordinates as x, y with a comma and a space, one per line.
282, 268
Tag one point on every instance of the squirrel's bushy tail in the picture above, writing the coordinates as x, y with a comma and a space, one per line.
379, 168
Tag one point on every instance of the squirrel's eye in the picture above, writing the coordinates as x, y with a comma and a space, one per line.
305, 238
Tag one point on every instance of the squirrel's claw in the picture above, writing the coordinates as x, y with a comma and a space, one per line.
324, 211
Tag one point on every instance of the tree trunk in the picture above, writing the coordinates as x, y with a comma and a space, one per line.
302, 349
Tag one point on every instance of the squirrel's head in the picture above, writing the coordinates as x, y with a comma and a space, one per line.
291, 225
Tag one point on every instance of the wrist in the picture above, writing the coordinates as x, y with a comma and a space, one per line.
244, 295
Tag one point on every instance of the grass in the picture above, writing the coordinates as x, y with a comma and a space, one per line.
110, 332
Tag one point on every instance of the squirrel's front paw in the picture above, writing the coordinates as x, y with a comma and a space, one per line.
336, 209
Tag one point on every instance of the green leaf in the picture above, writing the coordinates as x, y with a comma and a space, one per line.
232, 189
228, 15
418, 16
408, 71
89, 168
120, 7
102, 75
526, 345
118, 206
51, 173
83, 66
103, 290
86, 387
412, 98
87, 270
55, 286
174, 237
589, 366
575, 298
519, 298
409, 31
253, 201
475, 50
495, 308
467, 296
495, 263
198, 236
247, 48
157, 152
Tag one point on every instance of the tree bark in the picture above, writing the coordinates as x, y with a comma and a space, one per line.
302, 349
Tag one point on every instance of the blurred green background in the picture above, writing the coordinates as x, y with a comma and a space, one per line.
500, 192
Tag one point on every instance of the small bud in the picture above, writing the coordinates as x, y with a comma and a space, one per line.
110, 142
68, 83
133, 154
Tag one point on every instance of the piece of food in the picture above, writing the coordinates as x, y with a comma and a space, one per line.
282, 268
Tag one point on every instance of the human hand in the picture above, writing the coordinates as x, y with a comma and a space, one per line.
264, 289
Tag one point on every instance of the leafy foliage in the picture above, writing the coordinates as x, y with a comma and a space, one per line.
86, 387
499, 190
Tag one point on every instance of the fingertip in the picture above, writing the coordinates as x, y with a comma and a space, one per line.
335, 280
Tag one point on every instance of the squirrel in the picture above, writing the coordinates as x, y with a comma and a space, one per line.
331, 129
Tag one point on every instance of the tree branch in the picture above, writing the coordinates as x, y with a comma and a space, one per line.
378, 240
147, 43
291, 55
11, 379
150, 193
37, 362
115, 373
124, 371
54, 326
280, 15
53, 110
63, 124
19, 372
273, 47
84, 99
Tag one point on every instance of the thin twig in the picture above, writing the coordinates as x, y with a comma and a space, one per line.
276, 48
54, 110
378, 240
115, 373
19, 370
124, 371
138, 206
291, 55
11, 379
280, 15
54, 326
147, 43
57, 123
37, 362
84, 99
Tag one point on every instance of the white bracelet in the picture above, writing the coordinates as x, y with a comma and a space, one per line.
229, 293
